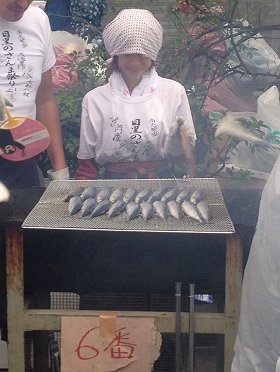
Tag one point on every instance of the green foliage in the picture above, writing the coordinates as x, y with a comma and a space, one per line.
69, 102
91, 72
239, 173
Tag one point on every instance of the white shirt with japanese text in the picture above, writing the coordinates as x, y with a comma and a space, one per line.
119, 127
26, 52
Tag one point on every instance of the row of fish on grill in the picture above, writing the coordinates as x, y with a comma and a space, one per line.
166, 201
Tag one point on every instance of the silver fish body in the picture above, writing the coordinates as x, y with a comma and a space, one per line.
116, 208
117, 194
158, 194
132, 209
88, 206
143, 195
89, 192
160, 209
170, 195
191, 211
204, 210
104, 194
129, 195
185, 194
147, 210
77, 191
175, 210
101, 208
75, 204
196, 196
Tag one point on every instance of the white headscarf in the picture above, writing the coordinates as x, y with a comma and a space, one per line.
133, 31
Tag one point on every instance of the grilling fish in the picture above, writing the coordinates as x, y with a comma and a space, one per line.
129, 195
174, 209
147, 210
101, 208
191, 211
104, 194
196, 196
77, 191
158, 194
75, 204
160, 209
89, 192
185, 194
88, 206
143, 195
116, 208
117, 194
170, 195
132, 209
203, 209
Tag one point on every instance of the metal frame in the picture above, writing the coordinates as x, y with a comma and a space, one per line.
21, 319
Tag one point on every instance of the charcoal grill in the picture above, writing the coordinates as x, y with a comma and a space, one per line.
51, 212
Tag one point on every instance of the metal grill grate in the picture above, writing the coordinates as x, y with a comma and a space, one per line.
51, 212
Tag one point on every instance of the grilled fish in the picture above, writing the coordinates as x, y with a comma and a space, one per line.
170, 195
104, 194
116, 208
89, 192
132, 209
203, 209
196, 196
160, 209
191, 211
185, 194
174, 209
158, 194
117, 194
77, 191
143, 195
129, 195
75, 204
88, 206
147, 210
101, 208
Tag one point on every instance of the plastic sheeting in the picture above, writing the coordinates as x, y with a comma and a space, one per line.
257, 345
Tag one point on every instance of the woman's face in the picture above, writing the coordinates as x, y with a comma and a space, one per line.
134, 66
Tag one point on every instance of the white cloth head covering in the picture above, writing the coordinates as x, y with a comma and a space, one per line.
133, 31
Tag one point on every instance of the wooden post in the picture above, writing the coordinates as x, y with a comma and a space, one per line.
15, 298
233, 288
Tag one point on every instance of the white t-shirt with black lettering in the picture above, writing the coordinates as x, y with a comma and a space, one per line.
118, 127
26, 52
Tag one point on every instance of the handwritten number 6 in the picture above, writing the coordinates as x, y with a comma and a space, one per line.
82, 348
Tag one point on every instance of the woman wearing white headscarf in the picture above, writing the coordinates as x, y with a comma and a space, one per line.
128, 126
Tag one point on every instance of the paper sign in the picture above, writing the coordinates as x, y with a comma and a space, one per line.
108, 343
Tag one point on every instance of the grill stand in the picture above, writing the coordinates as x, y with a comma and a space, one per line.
21, 319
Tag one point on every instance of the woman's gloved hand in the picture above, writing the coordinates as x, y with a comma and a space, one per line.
3, 103
62, 174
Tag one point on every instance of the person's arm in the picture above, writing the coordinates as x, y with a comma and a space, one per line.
188, 146
87, 170
187, 133
48, 114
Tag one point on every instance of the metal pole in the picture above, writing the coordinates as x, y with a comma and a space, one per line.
191, 328
178, 346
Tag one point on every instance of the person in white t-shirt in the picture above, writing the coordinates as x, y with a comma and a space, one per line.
137, 122
27, 57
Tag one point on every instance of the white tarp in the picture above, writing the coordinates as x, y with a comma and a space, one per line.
257, 346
